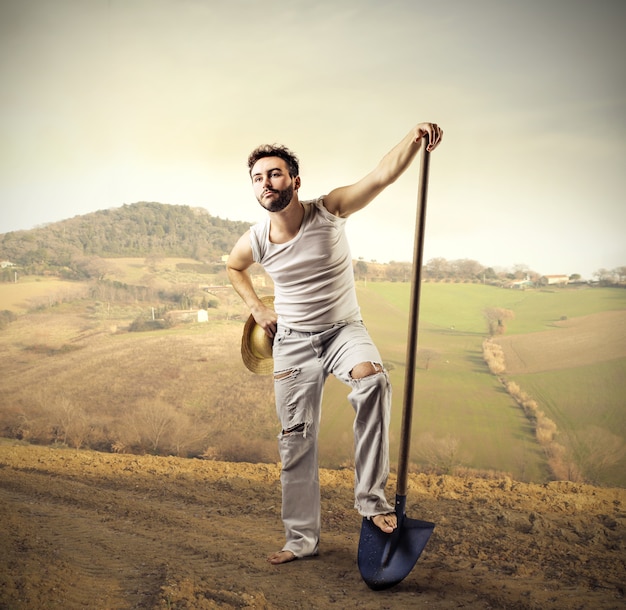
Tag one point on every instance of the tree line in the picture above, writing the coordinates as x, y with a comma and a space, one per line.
441, 270
469, 270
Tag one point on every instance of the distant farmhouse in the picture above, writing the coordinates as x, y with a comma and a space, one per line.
552, 280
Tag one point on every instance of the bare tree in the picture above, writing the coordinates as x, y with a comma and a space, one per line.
599, 450
620, 272
437, 268
604, 276
68, 421
153, 418
441, 454
94, 267
426, 356
398, 272
496, 319
185, 295
185, 432
521, 270
467, 269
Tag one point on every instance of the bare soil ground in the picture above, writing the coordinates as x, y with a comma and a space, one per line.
577, 342
88, 530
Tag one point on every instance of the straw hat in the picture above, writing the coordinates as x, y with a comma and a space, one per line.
256, 346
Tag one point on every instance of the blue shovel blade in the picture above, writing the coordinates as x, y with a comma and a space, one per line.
386, 559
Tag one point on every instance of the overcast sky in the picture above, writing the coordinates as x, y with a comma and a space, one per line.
110, 102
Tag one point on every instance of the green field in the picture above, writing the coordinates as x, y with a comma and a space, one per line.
458, 397
588, 406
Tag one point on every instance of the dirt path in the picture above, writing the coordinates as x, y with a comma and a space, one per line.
89, 530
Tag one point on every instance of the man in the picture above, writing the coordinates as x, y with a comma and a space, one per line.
317, 330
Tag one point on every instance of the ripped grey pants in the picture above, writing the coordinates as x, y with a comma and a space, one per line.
302, 362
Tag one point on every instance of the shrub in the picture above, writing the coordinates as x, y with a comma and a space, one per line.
494, 357
6, 317
142, 324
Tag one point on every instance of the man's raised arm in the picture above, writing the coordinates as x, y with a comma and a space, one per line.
346, 200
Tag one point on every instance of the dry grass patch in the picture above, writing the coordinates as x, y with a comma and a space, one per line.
184, 391
37, 292
573, 343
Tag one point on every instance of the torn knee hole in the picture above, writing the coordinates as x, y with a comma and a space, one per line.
297, 428
366, 369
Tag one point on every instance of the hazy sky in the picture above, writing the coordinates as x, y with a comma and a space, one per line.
107, 102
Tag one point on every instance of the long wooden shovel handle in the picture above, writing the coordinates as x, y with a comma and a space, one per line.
411, 348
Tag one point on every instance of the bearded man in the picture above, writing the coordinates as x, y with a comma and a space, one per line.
317, 330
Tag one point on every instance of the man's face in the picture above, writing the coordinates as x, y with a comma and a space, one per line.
272, 184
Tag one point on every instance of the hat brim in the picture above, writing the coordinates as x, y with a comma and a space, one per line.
254, 362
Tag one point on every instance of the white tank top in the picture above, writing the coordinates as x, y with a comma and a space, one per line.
312, 273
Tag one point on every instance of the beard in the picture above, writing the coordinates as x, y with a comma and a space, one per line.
281, 202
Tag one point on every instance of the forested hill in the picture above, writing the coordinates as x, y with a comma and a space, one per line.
139, 229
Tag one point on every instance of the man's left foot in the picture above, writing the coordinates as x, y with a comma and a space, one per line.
281, 557
386, 523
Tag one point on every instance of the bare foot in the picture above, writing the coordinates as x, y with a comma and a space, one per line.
387, 523
281, 557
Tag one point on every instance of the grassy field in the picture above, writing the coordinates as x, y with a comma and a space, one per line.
457, 397
572, 342
587, 404
462, 305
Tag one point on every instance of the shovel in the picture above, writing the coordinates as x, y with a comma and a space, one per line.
386, 559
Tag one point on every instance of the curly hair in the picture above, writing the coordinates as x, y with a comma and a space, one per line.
275, 150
